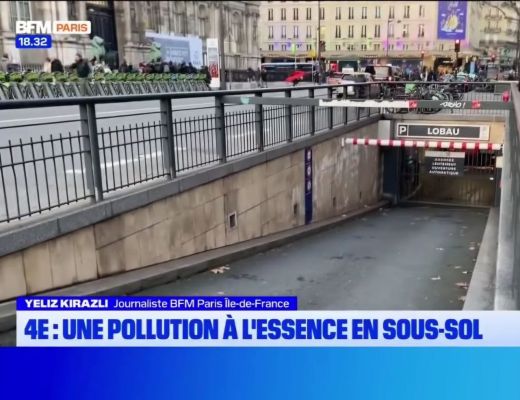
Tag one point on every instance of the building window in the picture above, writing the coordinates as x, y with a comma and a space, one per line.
406, 12
351, 13
72, 11
421, 30
322, 13
377, 31
421, 11
271, 47
309, 13
378, 12
377, 47
405, 30
441, 47
338, 31
296, 32
284, 47
309, 47
154, 15
405, 46
364, 31
338, 12
20, 11
391, 12
350, 47
390, 30
270, 14
284, 32
271, 33
283, 15
351, 31
363, 13
363, 47
295, 14
309, 32
338, 47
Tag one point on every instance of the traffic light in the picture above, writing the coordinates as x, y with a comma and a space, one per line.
493, 57
457, 46
422, 55
322, 45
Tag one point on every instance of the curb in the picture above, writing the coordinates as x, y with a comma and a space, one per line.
160, 274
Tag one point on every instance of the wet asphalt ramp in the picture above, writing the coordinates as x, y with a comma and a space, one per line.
415, 258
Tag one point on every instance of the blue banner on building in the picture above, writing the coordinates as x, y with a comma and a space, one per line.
451, 20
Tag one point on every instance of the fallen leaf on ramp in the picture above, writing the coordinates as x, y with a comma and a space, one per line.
435, 278
462, 285
220, 270
462, 298
439, 248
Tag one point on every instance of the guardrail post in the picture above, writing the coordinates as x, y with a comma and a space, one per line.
220, 129
330, 94
86, 155
92, 162
312, 120
288, 119
168, 143
259, 124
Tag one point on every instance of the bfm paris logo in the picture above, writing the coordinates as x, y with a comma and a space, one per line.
56, 27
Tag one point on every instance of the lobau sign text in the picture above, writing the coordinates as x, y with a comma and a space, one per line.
442, 131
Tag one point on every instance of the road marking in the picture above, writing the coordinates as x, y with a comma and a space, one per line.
112, 164
102, 113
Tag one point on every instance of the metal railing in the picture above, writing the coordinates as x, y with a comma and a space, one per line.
52, 154
87, 152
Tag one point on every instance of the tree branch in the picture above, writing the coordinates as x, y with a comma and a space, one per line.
508, 4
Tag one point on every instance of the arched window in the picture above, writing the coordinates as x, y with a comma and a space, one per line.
203, 19
236, 27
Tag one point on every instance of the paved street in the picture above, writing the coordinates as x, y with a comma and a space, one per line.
418, 258
396, 259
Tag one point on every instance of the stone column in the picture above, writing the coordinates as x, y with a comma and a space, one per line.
5, 14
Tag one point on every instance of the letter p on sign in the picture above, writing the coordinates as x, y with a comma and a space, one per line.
402, 130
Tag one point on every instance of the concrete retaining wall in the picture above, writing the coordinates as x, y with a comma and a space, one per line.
266, 198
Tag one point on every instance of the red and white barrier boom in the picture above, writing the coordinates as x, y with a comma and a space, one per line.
431, 144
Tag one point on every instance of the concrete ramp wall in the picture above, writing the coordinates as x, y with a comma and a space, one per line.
245, 199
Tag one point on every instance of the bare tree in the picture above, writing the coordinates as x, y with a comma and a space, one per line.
506, 8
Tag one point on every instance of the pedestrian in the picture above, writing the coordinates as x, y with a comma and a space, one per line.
263, 76
83, 70
124, 67
57, 66
47, 65
3, 62
258, 77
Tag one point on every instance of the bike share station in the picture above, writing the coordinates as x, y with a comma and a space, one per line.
447, 158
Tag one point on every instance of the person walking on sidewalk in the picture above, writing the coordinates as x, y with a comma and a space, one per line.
82, 68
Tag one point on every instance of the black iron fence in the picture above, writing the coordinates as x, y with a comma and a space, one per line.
55, 152
54, 155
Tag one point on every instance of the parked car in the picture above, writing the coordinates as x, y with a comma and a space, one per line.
387, 73
358, 91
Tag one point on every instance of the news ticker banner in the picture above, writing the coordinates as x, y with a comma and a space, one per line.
248, 321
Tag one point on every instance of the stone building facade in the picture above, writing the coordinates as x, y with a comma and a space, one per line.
124, 24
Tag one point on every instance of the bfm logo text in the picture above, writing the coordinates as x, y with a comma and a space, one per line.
56, 27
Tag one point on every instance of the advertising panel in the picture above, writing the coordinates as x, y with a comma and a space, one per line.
178, 49
451, 20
